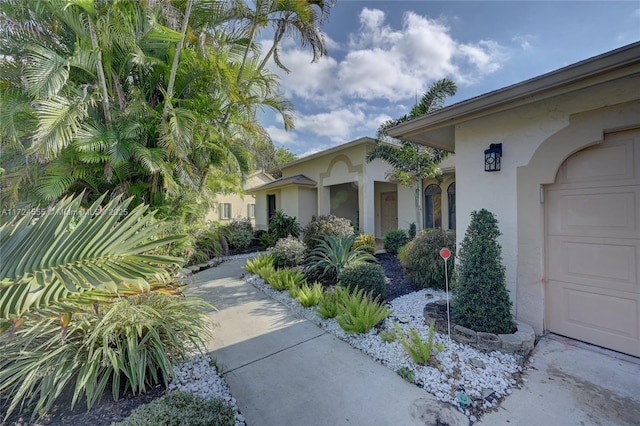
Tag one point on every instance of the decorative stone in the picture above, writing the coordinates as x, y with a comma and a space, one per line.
487, 392
488, 341
194, 268
477, 363
511, 342
464, 335
403, 320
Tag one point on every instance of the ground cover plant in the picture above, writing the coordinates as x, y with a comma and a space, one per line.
181, 409
358, 312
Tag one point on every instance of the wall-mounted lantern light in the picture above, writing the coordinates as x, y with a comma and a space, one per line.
492, 157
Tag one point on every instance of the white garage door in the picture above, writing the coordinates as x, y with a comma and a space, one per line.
593, 245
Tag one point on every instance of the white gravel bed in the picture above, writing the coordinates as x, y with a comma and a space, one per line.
485, 377
199, 376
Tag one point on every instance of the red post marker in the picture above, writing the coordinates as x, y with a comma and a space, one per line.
445, 253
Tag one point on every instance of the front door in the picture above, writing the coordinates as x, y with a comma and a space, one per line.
389, 210
271, 206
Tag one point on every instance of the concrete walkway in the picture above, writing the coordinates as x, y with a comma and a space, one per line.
284, 370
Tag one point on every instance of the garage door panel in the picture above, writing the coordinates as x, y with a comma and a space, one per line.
595, 262
609, 319
615, 161
593, 245
603, 212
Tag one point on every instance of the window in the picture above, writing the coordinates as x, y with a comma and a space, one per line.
271, 206
451, 198
251, 211
225, 210
432, 207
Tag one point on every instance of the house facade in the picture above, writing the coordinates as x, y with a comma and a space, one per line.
234, 205
341, 182
567, 195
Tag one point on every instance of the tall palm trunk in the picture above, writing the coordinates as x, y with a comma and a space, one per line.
102, 81
176, 59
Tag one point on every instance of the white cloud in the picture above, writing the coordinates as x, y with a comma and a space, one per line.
524, 40
337, 124
390, 64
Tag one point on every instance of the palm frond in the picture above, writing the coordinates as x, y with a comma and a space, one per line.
68, 251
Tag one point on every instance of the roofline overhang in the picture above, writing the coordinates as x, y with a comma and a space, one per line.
437, 129
332, 150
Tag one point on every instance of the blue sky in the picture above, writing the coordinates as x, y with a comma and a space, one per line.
383, 53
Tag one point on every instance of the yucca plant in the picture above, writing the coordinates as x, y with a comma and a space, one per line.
309, 296
253, 265
359, 313
329, 256
284, 279
418, 349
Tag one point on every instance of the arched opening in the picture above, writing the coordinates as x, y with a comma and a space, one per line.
432, 206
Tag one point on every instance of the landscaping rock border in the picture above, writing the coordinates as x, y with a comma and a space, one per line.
520, 342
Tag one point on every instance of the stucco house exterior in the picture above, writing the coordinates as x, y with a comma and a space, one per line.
230, 206
339, 181
567, 195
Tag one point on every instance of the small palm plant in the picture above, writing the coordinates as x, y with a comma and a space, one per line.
418, 349
359, 313
252, 266
309, 296
330, 256
285, 279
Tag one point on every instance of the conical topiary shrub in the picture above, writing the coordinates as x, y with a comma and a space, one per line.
481, 300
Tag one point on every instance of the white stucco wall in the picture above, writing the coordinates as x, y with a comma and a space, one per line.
536, 139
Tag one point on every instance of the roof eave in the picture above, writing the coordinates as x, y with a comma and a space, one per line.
437, 129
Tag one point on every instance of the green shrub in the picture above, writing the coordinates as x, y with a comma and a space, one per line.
240, 233
181, 409
366, 240
418, 350
331, 255
394, 240
262, 260
282, 226
412, 231
421, 258
309, 296
481, 300
130, 343
321, 227
284, 279
328, 306
359, 313
288, 252
367, 276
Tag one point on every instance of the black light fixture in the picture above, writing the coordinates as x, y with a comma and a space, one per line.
492, 157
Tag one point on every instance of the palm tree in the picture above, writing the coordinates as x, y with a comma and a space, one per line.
111, 122
411, 162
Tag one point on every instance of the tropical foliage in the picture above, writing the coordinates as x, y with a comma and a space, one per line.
358, 312
309, 295
418, 349
331, 255
156, 100
85, 300
262, 260
411, 162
